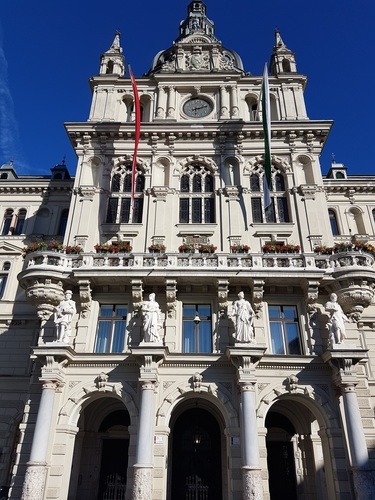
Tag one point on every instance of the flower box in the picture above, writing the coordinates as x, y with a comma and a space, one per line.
239, 248
207, 249
271, 248
157, 248
185, 248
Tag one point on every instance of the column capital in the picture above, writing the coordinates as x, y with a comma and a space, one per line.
245, 358
342, 360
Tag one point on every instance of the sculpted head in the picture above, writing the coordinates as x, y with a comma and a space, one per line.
151, 297
241, 295
68, 294
333, 297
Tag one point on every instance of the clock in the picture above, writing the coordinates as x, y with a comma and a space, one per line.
197, 107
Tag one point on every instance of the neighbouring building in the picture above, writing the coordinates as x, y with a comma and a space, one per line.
183, 342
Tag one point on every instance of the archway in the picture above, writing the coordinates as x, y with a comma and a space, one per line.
100, 462
195, 456
294, 452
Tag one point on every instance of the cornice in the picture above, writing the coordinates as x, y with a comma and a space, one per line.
16, 186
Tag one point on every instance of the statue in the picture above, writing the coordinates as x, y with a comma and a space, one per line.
335, 324
244, 319
151, 318
64, 313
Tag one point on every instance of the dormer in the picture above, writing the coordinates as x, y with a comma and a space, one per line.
282, 60
60, 172
112, 62
337, 171
7, 172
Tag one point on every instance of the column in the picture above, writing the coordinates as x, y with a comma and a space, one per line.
160, 109
142, 486
224, 104
245, 359
36, 471
251, 471
234, 98
171, 106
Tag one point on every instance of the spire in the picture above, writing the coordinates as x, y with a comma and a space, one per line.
282, 60
197, 22
112, 62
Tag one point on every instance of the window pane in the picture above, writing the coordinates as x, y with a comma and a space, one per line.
270, 212
184, 186
121, 310
256, 208
128, 183
209, 184
254, 183
196, 210
279, 182
274, 311
290, 312
204, 311
139, 183
292, 338
333, 221
204, 336
6, 226
118, 336
197, 183
209, 216
3, 280
112, 210
189, 311
282, 207
125, 211
103, 336
184, 211
189, 337
63, 222
115, 187
106, 310
138, 210
277, 338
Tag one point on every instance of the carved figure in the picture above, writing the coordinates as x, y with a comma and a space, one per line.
63, 316
243, 315
151, 318
335, 325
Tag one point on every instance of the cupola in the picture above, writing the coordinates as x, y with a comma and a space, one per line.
112, 62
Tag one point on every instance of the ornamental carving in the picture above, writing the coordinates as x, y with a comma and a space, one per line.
171, 297
142, 485
85, 297
44, 294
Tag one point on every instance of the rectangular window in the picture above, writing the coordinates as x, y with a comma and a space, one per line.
256, 208
197, 331
209, 211
284, 327
184, 210
196, 210
110, 336
112, 210
282, 208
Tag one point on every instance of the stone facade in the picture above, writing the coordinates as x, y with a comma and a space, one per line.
108, 414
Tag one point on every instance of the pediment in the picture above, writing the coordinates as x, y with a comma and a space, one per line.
9, 248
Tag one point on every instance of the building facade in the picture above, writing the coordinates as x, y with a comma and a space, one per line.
185, 342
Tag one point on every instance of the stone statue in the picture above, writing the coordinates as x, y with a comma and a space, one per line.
335, 324
64, 313
243, 315
151, 319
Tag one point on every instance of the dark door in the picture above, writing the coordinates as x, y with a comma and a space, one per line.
112, 482
196, 457
281, 470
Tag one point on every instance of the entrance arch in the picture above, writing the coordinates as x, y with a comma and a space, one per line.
295, 453
100, 462
195, 464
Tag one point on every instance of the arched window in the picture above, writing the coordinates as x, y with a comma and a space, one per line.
119, 209
333, 222
13, 222
4, 277
278, 211
199, 207
252, 106
286, 65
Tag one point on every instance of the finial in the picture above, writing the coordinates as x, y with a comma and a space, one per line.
333, 158
63, 160
11, 162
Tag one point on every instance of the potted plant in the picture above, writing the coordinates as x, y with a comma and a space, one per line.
207, 248
157, 248
73, 249
323, 250
101, 248
239, 248
280, 248
125, 247
55, 246
186, 248
34, 247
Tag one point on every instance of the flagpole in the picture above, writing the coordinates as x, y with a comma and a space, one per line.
137, 110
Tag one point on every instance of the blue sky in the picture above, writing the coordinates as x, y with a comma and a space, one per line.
50, 48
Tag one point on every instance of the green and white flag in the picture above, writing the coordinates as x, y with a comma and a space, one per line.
266, 119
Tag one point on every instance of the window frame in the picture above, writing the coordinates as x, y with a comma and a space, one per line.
279, 212
197, 330
283, 332
197, 195
119, 198
104, 341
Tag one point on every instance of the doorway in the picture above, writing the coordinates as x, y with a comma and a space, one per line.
196, 457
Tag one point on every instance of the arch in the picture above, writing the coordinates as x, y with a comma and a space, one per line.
145, 102
355, 220
197, 159
286, 65
305, 162
252, 107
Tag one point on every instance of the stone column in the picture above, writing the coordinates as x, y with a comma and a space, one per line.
251, 471
162, 98
245, 358
342, 361
171, 106
36, 470
224, 103
234, 112
149, 357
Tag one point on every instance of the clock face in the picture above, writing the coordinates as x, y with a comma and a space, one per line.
197, 107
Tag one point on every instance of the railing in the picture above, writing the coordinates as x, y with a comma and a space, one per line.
47, 259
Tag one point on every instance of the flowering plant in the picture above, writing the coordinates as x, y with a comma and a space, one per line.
73, 249
55, 245
113, 248
277, 248
207, 248
239, 248
322, 249
186, 247
157, 247
35, 246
